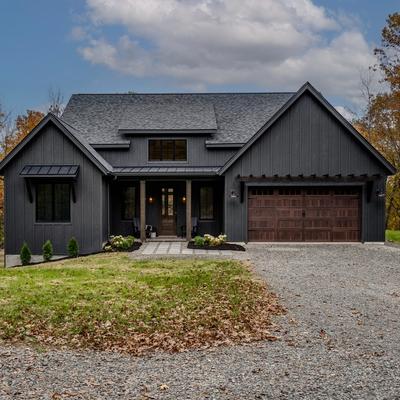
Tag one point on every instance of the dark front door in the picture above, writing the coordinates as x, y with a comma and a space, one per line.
168, 213
304, 214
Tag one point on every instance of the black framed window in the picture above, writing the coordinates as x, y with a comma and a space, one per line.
206, 202
167, 150
53, 202
128, 202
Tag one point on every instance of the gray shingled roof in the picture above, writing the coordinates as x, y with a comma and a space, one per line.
98, 117
174, 115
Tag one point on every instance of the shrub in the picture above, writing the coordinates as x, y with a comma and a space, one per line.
47, 250
25, 254
119, 242
73, 248
199, 241
210, 240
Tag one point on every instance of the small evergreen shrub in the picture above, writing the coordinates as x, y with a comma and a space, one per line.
199, 241
73, 248
47, 250
25, 254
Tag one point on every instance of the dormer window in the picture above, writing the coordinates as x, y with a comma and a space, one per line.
167, 150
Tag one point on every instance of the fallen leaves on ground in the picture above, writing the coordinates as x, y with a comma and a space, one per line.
171, 314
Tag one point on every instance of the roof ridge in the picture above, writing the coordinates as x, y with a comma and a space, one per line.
177, 93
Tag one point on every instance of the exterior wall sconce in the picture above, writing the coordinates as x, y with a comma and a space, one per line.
184, 200
151, 200
234, 194
380, 193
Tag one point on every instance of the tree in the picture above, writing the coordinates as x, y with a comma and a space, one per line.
381, 121
25, 123
56, 100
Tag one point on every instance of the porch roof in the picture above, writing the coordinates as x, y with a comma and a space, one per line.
48, 171
166, 171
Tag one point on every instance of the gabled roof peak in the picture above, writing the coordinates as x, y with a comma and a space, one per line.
308, 87
67, 130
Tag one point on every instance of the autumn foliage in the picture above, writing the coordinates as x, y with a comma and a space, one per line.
111, 302
11, 136
381, 121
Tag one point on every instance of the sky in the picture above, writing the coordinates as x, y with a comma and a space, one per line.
108, 46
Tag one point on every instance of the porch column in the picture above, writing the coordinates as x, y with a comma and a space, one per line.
188, 209
142, 211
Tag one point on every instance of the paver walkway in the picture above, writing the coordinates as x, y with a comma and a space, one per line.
175, 249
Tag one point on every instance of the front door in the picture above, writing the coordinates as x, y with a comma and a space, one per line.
168, 214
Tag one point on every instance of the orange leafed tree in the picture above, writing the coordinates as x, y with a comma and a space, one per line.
11, 136
25, 123
381, 122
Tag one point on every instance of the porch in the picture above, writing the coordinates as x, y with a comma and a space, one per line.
157, 208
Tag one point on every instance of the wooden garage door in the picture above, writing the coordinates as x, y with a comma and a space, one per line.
304, 214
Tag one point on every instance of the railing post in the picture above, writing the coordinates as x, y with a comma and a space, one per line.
188, 209
142, 210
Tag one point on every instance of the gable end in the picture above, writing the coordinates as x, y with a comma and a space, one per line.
308, 89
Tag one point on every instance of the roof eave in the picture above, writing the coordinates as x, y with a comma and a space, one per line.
166, 131
224, 145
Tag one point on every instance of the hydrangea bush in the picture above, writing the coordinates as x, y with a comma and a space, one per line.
119, 242
210, 240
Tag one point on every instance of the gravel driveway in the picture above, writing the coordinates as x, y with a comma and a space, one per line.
339, 340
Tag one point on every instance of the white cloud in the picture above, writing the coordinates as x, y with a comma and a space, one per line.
348, 114
199, 43
78, 33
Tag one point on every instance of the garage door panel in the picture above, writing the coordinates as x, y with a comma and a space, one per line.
285, 235
345, 212
308, 214
258, 213
262, 236
288, 212
345, 236
317, 235
290, 223
317, 202
262, 224
346, 223
345, 201
317, 223
261, 202
318, 213
289, 202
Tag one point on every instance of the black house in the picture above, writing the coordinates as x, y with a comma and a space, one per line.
256, 166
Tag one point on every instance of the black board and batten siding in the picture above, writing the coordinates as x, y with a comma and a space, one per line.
306, 140
197, 153
88, 215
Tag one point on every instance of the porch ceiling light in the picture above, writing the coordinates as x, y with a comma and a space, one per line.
183, 199
151, 200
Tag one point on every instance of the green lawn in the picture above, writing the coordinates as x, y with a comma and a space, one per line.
393, 236
109, 301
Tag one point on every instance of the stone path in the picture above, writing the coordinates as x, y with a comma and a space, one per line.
175, 249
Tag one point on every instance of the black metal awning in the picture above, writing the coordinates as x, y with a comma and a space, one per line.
165, 171
49, 171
